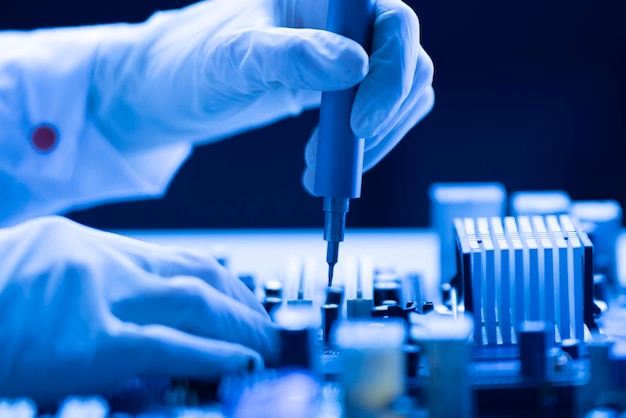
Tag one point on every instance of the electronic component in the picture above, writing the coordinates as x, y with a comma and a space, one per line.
273, 295
330, 317
387, 290
516, 333
427, 307
372, 366
391, 309
540, 203
412, 353
525, 269
602, 221
599, 390
92, 407
359, 308
534, 338
297, 331
334, 295
461, 200
270, 394
449, 388
573, 347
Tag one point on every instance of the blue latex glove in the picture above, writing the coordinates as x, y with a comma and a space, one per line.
129, 101
82, 311
219, 67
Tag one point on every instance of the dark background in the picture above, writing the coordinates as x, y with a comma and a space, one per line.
530, 94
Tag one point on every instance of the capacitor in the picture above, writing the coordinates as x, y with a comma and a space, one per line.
387, 309
271, 303
359, 308
602, 220
334, 295
387, 291
618, 361
601, 379
427, 307
330, 316
391, 309
92, 407
446, 345
273, 288
534, 339
372, 365
540, 202
573, 347
298, 328
295, 351
412, 353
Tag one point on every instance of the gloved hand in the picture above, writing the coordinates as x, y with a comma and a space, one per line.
82, 311
127, 102
219, 67
395, 95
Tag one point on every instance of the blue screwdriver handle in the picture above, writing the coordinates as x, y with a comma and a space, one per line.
339, 165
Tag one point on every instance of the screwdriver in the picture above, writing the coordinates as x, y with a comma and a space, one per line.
339, 152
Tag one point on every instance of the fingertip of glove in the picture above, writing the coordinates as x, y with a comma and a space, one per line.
359, 67
342, 62
254, 363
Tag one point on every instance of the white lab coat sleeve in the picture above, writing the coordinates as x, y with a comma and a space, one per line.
45, 78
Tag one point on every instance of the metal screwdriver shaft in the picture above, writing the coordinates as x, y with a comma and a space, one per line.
335, 209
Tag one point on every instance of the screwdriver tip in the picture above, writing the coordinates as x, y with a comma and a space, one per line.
331, 268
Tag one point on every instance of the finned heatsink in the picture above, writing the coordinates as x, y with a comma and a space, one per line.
520, 269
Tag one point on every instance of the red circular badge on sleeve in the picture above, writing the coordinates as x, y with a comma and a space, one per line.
44, 138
